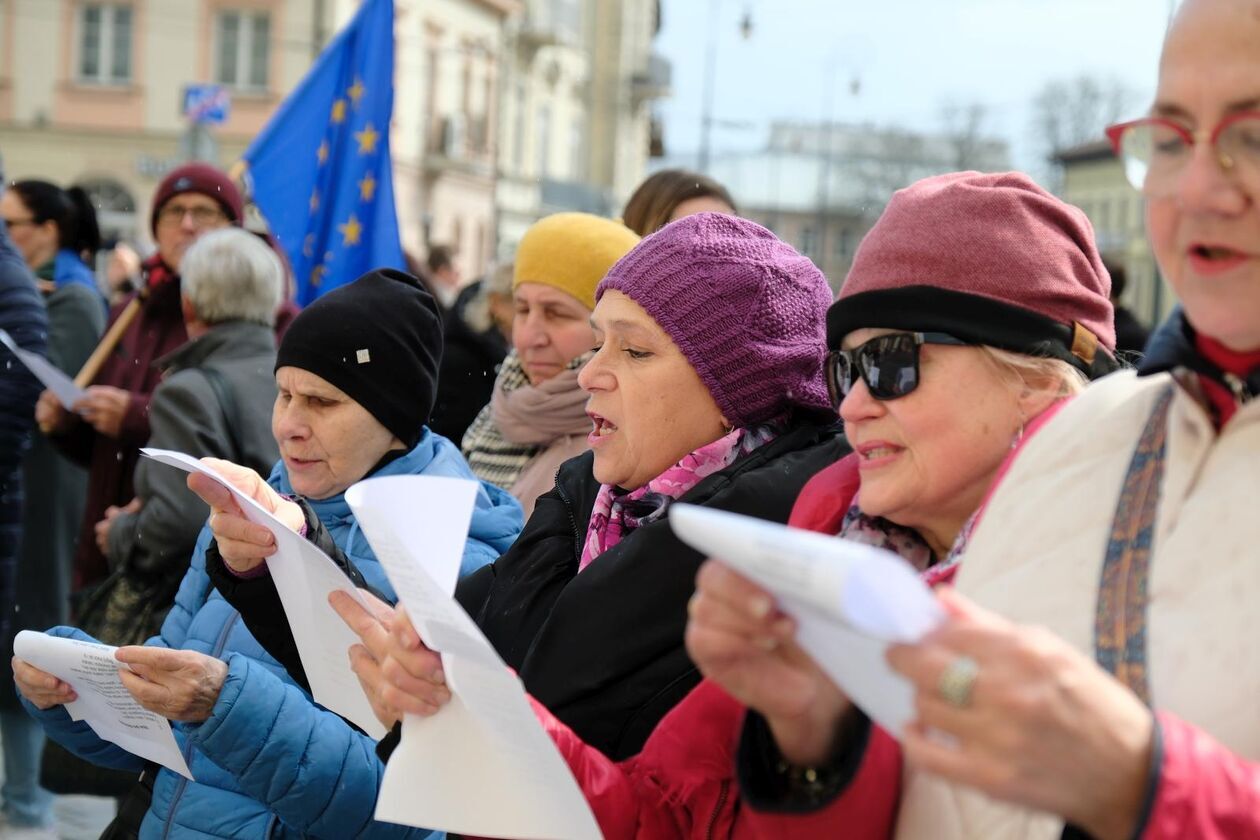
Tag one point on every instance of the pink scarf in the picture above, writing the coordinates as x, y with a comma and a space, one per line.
617, 511
538, 415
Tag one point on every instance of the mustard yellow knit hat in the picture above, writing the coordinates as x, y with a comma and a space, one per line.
571, 252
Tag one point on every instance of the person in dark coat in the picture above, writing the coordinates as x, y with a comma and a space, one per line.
473, 349
107, 428
1131, 334
54, 230
23, 316
214, 401
689, 403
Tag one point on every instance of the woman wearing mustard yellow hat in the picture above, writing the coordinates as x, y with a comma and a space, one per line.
536, 418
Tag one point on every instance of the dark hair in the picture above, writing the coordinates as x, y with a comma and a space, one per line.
656, 199
440, 257
70, 210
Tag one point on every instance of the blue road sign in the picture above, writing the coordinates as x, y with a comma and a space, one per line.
207, 104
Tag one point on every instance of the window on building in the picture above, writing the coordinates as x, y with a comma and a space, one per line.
518, 141
243, 49
577, 150
542, 143
807, 241
105, 43
844, 243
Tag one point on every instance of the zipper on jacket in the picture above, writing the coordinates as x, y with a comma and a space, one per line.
717, 809
568, 508
183, 783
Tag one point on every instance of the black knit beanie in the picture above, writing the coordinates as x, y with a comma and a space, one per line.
378, 339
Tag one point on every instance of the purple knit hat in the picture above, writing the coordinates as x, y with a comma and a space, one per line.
746, 310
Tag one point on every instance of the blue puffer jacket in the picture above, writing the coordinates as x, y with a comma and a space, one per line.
268, 762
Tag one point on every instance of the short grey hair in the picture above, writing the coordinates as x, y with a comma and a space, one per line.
231, 275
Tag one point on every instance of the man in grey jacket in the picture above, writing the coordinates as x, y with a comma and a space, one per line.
215, 401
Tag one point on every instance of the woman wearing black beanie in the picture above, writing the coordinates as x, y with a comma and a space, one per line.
356, 374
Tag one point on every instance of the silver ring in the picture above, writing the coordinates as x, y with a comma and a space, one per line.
957, 682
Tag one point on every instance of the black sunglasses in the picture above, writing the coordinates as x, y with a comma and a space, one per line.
888, 364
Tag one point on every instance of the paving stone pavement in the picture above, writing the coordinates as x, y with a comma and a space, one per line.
79, 817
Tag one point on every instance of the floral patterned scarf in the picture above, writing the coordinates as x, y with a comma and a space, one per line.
617, 511
904, 542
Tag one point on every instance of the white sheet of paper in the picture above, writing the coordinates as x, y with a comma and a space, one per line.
304, 578
52, 377
487, 737
850, 601
103, 702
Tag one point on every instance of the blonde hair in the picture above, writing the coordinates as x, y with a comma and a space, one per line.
1053, 378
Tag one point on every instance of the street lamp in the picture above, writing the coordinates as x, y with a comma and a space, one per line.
710, 72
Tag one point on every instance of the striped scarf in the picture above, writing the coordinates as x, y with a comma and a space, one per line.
491, 455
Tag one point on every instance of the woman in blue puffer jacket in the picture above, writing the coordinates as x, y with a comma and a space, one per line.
356, 375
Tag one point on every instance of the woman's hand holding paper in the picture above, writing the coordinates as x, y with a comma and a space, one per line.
739, 639
398, 673
1039, 724
176, 684
243, 545
40, 687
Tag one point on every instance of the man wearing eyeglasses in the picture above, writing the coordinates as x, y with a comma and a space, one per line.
104, 430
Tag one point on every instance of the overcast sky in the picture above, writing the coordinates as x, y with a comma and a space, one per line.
913, 58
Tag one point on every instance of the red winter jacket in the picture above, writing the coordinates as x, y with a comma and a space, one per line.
682, 784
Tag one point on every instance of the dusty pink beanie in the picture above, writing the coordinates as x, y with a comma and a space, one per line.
746, 310
993, 259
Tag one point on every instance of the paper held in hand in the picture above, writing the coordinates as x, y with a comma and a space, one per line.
46, 372
850, 601
487, 738
304, 578
103, 702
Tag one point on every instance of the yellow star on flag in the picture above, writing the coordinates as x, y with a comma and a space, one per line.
367, 139
356, 91
308, 245
350, 231
317, 274
339, 111
322, 154
314, 199
367, 187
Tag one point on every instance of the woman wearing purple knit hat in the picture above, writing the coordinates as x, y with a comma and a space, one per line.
707, 387
975, 306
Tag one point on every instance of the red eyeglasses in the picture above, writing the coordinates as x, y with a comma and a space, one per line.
1156, 150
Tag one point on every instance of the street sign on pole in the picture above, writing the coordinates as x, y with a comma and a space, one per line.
207, 104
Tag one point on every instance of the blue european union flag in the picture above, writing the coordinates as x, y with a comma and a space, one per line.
320, 170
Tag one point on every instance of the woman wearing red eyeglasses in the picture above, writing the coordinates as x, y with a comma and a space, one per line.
1098, 673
